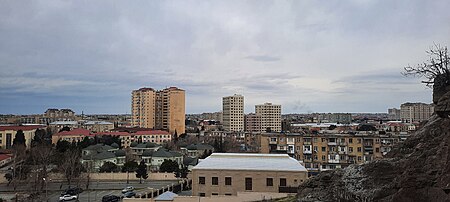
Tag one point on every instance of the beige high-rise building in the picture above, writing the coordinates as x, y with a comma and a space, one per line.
170, 110
270, 116
163, 109
233, 113
415, 112
143, 108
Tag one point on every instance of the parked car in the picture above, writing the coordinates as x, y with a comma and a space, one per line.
72, 191
127, 189
129, 194
111, 198
68, 197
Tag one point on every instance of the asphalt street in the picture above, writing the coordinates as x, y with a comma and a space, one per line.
96, 189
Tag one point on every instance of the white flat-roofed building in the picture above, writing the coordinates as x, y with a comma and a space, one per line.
229, 173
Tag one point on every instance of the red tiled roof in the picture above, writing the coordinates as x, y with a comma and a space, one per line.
113, 133
152, 132
23, 128
4, 156
77, 131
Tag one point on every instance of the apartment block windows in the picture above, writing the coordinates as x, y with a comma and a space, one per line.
350, 140
269, 182
215, 181
227, 180
283, 182
248, 184
359, 149
201, 180
350, 149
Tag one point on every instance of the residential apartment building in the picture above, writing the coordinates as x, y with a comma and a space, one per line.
230, 173
329, 151
270, 116
8, 133
394, 114
143, 103
415, 112
164, 109
253, 123
233, 113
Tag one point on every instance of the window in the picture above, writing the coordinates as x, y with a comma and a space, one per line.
359, 149
324, 149
201, 194
215, 194
350, 149
201, 180
323, 158
359, 158
269, 182
350, 140
315, 149
377, 149
227, 180
215, 181
227, 194
282, 182
248, 183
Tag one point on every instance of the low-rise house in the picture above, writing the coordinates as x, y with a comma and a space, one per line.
230, 173
197, 150
5, 159
159, 156
94, 156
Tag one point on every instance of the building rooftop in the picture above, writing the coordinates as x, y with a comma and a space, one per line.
76, 131
64, 123
23, 128
241, 161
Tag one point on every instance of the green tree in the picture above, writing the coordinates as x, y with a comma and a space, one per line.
62, 146
109, 167
19, 139
169, 166
129, 166
182, 173
141, 171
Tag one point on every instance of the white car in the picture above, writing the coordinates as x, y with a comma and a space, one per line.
67, 197
127, 189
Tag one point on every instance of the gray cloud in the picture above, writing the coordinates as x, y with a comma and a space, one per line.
262, 58
89, 55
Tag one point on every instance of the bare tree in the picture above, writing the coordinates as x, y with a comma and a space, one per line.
42, 156
71, 165
437, 65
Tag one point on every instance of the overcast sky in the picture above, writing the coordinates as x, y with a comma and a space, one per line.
308, 56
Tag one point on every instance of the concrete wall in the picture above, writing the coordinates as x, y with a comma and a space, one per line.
120, 176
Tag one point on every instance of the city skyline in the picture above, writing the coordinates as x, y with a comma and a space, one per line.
307, 57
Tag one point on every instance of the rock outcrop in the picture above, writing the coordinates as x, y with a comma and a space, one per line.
415, 170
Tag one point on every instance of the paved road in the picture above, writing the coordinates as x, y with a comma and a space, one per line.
96, 189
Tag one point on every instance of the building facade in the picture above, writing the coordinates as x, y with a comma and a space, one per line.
253, 123
8, 133
233, 113
415, 112
394, 114
329, 151
230, 173
164, 109
270, 116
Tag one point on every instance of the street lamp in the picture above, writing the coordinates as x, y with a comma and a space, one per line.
45, 181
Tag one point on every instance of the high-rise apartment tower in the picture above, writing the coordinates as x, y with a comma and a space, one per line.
163, 109
233, 113
270, 116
